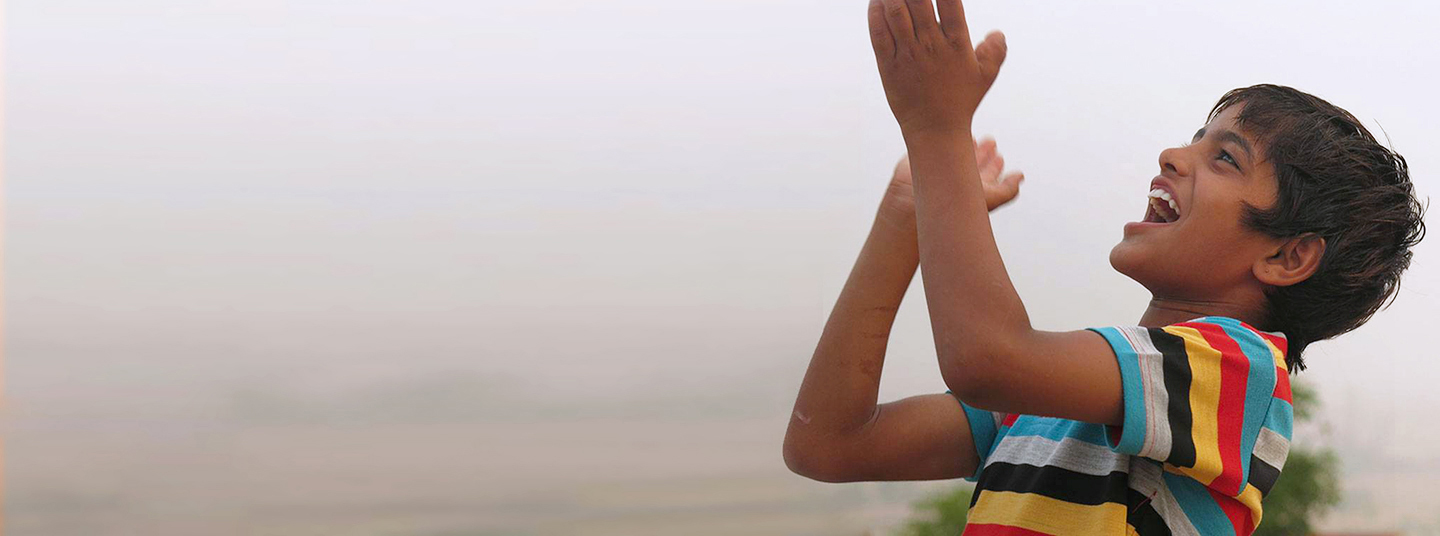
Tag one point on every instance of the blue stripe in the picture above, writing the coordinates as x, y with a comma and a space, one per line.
1057, 429
982, 431
1281, 418
1198, 505
1132, 433
1259, 387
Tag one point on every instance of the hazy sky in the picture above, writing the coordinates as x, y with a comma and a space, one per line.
364, 214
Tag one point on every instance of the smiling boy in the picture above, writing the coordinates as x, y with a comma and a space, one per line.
1283, 223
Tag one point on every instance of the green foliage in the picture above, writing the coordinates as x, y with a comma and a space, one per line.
942, 514
1308, 486
1304, 399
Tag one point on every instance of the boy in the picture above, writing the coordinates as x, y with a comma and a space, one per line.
1284, 222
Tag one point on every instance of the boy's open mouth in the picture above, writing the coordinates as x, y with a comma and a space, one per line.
1162, 207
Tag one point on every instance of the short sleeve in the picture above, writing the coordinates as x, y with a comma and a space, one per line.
984, 432
1197, 396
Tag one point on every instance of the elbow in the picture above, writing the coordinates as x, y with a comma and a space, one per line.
969, 386
800, 461
815, 460
975, 374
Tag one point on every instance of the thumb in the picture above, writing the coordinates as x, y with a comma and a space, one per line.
1010, 184
990, 54
1005, 190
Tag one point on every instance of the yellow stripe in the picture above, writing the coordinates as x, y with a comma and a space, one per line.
1039, 513
1204, 402
1279, 357
1250, 497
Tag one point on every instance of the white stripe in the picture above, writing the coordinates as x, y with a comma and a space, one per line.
1068, 453
1157, 442
1145, 478
1272, 448
1158, 421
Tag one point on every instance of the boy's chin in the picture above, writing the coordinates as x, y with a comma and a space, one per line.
1148, 268
1125, 258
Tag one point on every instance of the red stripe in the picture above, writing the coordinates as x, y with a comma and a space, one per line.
1279, 342
1230, 415
1236, 512
1009, 419
999, 530
1282, 385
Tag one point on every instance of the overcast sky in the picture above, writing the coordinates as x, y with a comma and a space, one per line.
365, 213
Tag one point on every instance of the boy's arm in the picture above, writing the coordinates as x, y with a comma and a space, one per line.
837, 433
989, 354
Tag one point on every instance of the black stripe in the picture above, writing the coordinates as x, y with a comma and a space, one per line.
1262, 475
1142, 515
1177, 386
1055, 482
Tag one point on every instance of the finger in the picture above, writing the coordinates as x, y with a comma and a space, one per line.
1010, 184
1006, 191
996, 165
991, 54
984, 152
903, 165
880, 39
990, 170
898, 17
922, 16
952, 22
985, 148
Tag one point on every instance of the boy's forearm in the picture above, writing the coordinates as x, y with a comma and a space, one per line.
841, 386
973, 305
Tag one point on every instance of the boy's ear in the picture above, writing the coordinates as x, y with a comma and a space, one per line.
1295, 260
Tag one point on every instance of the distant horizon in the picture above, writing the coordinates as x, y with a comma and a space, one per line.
338, 264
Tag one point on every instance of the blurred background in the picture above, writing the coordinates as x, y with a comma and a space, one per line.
454, 268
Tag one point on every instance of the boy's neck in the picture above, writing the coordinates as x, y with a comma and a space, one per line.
1165, 311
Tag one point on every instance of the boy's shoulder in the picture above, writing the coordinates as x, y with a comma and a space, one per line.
1203, 338
1205, 433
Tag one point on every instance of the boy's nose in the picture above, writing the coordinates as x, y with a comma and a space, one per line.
1173, 160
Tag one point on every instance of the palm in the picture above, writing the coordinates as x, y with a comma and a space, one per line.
999, 189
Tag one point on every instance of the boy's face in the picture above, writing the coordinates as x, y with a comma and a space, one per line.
1201, 249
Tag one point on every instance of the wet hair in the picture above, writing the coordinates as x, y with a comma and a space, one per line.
1338, 183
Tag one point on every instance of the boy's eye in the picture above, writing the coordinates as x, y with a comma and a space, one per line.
1228, 159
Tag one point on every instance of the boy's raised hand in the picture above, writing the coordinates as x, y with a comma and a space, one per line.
999, 189
933, 78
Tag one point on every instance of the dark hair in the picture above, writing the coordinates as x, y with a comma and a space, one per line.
1336, 182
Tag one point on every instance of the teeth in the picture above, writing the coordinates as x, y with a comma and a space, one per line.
1156, 195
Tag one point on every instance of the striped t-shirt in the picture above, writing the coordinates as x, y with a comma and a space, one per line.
1205, 434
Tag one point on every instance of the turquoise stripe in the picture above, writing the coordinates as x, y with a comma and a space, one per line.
982, 434
1259, 387
982, 431
1281, 418
1198, 505
1057, 429
1132, 434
